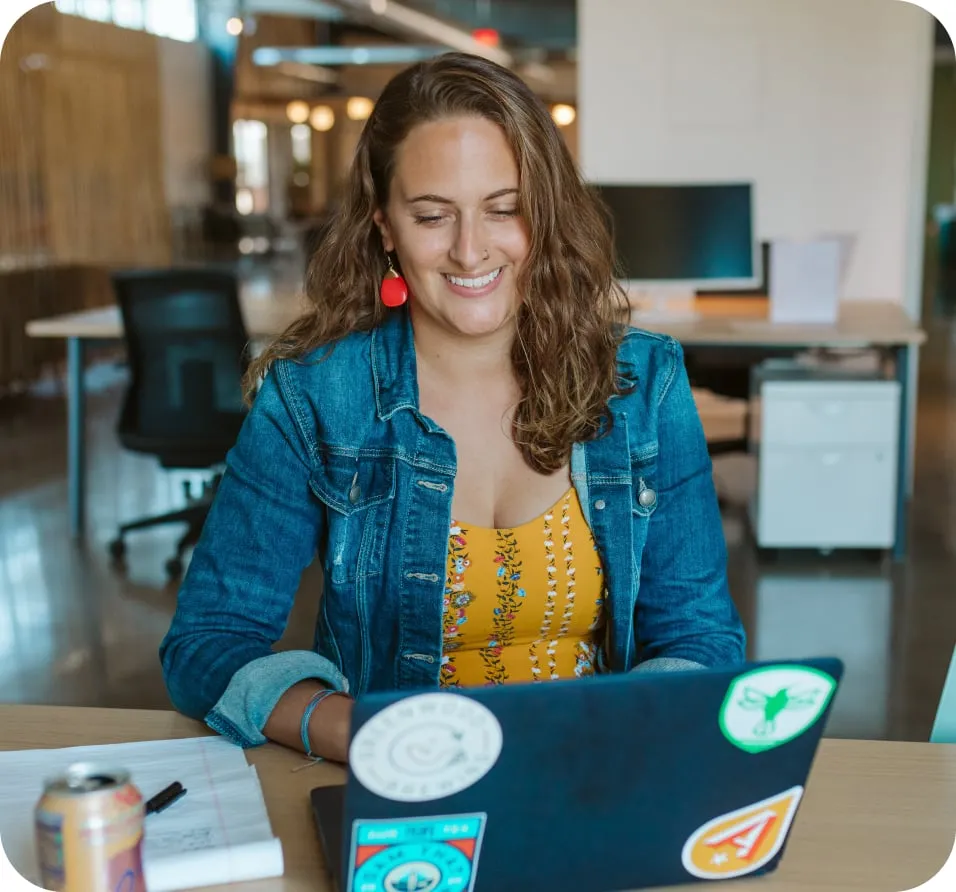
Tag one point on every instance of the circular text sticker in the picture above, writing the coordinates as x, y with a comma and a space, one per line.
425, 747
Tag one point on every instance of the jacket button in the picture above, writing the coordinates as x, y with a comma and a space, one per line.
599, 505
354, 493
648, 498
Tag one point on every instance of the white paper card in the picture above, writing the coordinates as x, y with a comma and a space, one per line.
219, 832
806, 279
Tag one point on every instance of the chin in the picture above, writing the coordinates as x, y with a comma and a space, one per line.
479, 321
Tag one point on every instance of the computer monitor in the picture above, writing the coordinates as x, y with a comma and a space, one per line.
679, 239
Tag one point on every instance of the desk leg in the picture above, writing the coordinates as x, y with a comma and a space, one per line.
76, 436
903, 452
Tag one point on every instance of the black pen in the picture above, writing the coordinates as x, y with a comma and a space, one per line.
166, 798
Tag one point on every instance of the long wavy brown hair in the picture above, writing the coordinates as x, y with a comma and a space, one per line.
572, 312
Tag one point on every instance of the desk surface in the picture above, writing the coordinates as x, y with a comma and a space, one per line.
266, 311
876, 815
723, 321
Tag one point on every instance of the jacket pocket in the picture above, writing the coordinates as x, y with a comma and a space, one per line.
358, 492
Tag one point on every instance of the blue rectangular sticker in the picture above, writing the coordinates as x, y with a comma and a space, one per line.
434, 854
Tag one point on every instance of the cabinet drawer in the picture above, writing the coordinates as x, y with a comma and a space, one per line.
801, 414
827, 498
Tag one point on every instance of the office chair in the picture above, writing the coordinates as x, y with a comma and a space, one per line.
187, 351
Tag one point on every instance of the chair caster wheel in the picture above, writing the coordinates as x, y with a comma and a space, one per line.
117, 549
174, 568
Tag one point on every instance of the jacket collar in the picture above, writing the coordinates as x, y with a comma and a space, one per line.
394, 370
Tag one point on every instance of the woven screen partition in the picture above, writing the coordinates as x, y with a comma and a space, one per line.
81, 173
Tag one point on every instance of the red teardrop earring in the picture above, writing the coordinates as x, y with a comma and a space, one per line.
394, 291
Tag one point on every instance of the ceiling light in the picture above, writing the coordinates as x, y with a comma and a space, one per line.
316, 73
563, 114
487, 36
234, 26
322, 118
297, 111
358, 108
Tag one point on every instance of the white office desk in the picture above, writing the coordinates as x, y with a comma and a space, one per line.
738, 324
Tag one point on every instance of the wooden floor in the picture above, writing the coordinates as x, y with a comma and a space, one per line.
74, 631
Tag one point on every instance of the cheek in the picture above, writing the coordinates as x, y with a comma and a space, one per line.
422, 249
515, 243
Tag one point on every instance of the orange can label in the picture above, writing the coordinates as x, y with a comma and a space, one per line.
91, 842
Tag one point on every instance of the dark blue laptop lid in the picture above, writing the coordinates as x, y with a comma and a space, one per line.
605, 783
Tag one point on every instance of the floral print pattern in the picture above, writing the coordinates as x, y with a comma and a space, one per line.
515, 607
457, 598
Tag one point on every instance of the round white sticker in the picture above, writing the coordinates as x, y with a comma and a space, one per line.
768, 707
425, 747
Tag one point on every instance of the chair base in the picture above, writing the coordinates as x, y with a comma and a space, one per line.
193, 514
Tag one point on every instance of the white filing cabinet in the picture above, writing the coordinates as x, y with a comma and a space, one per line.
827, 452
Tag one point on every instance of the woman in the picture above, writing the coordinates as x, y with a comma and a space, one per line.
503, 482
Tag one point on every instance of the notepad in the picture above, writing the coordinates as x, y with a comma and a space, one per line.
219, 832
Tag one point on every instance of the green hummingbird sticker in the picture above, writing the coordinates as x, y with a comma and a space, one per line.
767, 707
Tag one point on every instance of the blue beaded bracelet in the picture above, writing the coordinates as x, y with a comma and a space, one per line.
317, 698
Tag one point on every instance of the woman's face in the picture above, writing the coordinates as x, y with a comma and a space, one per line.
452, 220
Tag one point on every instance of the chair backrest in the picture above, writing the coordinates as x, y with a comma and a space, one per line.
944, 728
187, 348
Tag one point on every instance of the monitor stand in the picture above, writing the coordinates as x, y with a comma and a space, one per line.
667, 303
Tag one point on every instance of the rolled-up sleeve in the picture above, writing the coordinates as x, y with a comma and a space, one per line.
684, 610
263, 529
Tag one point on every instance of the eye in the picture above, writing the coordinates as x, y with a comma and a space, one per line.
504, 213
428, 219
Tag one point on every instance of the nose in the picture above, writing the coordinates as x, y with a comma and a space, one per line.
468, 248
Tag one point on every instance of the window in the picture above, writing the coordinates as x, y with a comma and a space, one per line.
98, 10
128, 14
302, 144
177, 19
171, 18
251, 150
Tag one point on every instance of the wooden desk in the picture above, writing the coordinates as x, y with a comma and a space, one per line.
744, 322
739, 324
876, 817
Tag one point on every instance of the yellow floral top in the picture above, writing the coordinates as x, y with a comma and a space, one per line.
522, 604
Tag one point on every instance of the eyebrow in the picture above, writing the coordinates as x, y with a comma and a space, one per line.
438, 199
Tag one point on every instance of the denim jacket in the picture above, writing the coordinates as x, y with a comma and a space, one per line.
336, 460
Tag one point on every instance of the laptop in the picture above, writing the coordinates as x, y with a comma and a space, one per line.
597, 784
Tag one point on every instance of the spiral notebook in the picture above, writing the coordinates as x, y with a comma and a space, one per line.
219, 832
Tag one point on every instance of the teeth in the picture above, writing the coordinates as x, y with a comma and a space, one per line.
480, 282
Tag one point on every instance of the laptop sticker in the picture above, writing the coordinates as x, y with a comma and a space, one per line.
768, 707
425, 747
741, 841
435, 854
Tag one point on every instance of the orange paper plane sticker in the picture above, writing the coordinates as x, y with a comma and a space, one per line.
741, 841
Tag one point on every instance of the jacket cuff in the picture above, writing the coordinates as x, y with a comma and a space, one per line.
667, 664
244, 708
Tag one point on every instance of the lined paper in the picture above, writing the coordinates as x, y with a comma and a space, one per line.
219, 832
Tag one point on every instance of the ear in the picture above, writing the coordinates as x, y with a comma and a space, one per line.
381, 221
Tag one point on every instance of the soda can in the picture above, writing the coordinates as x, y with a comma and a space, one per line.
89, 831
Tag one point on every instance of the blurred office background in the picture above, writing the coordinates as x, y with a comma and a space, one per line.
211, 136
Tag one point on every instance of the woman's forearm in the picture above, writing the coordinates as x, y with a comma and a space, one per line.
328, 726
